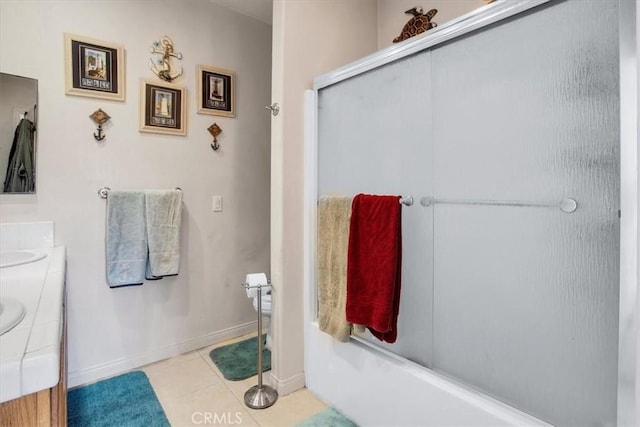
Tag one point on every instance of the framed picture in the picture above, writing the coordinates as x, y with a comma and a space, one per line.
94, 68
163, 108
216, 91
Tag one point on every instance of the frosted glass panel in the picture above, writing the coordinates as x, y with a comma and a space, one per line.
526, 298
374, 137
520, 303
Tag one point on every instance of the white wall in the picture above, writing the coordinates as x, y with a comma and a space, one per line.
391, 16
310, 38
111, 330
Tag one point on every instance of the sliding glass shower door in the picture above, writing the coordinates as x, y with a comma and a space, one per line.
526, 298
507, 287
374, 137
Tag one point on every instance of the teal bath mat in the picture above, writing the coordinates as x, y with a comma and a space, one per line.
239, 360
127, 400
328, 418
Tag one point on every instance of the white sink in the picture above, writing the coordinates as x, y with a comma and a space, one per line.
11, 258
11, 313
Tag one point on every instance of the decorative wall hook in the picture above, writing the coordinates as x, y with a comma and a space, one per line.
274, 108
100, 118
162, 66
215, 130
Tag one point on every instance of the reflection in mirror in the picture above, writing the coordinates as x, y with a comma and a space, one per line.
18, 118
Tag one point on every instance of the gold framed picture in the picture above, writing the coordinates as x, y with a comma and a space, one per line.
216, 91
163, 108
94, 68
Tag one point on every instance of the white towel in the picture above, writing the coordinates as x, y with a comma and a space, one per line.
163, 217
126, 238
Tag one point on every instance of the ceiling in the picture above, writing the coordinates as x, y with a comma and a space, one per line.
261, 10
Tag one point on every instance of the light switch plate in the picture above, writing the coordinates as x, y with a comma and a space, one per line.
217, 203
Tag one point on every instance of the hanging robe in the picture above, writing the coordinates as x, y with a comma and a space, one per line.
20, 177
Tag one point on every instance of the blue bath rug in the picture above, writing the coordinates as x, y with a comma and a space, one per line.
239, 360
127, 400
327, 418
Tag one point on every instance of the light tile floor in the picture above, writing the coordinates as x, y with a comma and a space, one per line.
193, 391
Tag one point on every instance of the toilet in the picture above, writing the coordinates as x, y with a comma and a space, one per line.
266, 312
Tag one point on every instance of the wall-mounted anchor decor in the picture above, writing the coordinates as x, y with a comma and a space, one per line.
215, 130
162, 66
100, 118
419, 23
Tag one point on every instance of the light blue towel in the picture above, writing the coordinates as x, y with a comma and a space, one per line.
163, 218
126, 238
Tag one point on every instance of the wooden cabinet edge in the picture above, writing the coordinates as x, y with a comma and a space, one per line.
45, 408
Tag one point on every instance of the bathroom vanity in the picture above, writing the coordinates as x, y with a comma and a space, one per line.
33, 346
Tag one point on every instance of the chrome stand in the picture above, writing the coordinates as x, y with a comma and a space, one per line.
260, 396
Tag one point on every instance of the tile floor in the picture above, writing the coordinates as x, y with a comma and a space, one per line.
192, 391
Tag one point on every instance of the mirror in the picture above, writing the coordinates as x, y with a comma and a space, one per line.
18, 119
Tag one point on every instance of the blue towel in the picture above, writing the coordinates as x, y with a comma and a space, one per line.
126, 238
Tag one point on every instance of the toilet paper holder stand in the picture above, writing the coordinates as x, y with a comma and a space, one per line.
260, 396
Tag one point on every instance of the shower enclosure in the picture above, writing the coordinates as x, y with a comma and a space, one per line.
505, 129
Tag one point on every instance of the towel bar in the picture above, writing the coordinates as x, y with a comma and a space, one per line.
104, 192
566, 205
407, 201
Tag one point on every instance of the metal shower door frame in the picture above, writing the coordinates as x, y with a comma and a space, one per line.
628, 406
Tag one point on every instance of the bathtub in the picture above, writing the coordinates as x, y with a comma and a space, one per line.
376, 388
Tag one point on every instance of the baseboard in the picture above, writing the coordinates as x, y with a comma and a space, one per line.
105, 370
289, 385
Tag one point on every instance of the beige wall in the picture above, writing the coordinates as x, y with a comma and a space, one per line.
391, 16
310, 38
115, 329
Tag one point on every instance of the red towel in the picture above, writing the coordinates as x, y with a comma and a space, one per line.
374, 264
